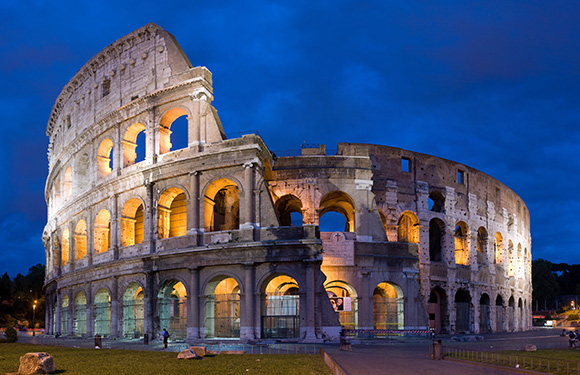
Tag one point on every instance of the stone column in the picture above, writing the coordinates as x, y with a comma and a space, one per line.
90, 311
194, 211
149, 309
90, 235
71, 245
150, 225
247, 216
117, 152
152, 138
247, 322
71, 313
114, 331
193, 314
193, 125
365, 299
310, 299
115, 224
57, 314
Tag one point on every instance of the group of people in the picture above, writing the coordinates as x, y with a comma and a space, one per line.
574, 339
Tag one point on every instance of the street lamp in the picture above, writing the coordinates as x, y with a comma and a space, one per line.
33, 317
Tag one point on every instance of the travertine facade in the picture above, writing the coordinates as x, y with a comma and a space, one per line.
220, 238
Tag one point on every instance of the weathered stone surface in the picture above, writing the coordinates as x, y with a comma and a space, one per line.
530, 348
200, 350
188, 353
36, 363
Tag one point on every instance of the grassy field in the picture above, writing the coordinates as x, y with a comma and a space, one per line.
72, 361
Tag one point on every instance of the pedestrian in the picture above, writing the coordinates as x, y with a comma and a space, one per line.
344, 342
165, 335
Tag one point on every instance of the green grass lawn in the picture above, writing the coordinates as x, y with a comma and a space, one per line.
72, 361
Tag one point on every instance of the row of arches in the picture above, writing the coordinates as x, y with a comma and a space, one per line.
518, 261
222, 306
172, 133
489, 317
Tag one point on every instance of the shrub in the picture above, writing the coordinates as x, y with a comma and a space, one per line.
11, 334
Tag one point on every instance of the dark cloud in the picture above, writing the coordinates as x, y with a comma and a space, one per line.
494, 85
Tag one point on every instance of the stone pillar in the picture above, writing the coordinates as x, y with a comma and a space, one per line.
310, 299
71, 313
193, 314
150, 225
71, 245
365, 299
194, 211
57, 314
90, 235
151, 142
247, 216
115, 224
247, 322
149, 302
193, 125
117, 152
90, 311
115, 321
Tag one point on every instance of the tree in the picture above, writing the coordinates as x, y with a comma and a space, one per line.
546, 289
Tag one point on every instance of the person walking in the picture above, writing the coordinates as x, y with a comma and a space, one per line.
165, 335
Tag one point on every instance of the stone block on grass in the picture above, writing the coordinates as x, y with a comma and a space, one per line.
36, 363
188, 354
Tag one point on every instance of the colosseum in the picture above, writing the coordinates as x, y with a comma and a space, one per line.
157, 220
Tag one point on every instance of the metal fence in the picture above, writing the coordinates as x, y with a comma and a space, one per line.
521, 361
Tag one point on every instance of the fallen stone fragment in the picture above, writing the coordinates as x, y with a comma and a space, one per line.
530, 348
188, 354
36, 363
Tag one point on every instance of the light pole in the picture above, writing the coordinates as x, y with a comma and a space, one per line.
33, 317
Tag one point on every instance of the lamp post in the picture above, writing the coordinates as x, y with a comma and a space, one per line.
33, 317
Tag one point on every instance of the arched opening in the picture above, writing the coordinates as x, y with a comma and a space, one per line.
344, 300
289, 209
132, 223
80, 321
484, 313
437, 310
104, 158
281, 308
333, 222
222, 308
64, 316
133, 311
341, 203
461, 244
498, 248
481, 245
511, 259
172, 213
134, 144
388, 307
173, 129
222, 206
172, 307
408, 228
67, 183
511, 314
436, 201
499, 314
80, 240
436, 230
102, 312
102, 232
65, 246
462, 311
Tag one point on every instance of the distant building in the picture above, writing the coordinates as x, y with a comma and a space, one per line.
220, 238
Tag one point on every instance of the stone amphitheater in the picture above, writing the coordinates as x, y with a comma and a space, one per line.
157, 220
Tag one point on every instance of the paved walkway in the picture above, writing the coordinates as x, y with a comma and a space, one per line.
412, 357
